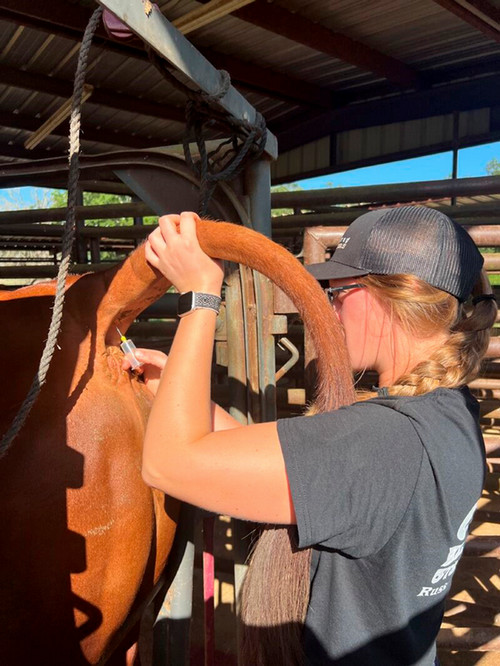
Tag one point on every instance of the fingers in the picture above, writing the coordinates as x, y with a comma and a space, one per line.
167, 227
150, 357
170, 228
173, 249
126, 365
151, 254
187, 226
153, 357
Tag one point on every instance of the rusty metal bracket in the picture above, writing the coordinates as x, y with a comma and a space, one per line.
285, 343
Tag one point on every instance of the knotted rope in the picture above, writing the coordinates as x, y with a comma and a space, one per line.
203, 111
67, 238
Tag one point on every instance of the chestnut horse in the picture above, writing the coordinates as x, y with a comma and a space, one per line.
84, 540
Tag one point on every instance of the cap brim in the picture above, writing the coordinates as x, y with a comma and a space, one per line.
333, 270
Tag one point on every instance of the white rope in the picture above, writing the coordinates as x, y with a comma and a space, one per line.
67, 238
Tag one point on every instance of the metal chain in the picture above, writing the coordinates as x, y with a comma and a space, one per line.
67, 238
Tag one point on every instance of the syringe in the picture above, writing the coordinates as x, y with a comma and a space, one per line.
128, 348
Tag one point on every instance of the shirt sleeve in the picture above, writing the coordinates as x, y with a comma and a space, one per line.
352, 473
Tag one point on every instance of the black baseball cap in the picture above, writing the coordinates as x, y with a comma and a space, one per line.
418, 240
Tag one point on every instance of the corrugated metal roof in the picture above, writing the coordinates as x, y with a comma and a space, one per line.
421, 35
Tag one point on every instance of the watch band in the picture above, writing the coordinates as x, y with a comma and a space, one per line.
193, 300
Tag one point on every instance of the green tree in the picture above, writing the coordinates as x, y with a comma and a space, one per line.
59, 199
493, 167
292, 187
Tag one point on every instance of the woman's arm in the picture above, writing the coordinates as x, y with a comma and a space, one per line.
238, 471
154, 362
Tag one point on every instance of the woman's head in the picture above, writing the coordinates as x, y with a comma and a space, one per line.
411, 240
426, 338
411, 325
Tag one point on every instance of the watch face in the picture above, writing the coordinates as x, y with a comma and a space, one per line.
185, 303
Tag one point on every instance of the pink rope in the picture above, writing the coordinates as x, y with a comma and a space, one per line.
208, 588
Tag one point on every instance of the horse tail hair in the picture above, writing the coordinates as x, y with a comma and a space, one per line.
275, 594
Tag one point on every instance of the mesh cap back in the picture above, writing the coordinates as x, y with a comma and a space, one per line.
408, 239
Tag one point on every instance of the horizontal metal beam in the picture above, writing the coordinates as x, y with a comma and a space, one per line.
484, 214
470, 17
168, 42
109, 137
33, 230
53, 17
100, 212
114, 100
463, 96
61, 182
321, 238
385, 158
8, 149
50, 271
298, 28
272, 84
490, 11
399, 192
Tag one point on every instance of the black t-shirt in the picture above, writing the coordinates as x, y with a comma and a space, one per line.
384, 491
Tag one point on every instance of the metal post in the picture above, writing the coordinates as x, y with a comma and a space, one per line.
258, 189
173, 623
456, 144
237, 357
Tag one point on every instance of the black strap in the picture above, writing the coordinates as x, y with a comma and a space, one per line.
483, 297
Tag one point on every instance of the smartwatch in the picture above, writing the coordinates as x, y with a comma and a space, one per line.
193, 300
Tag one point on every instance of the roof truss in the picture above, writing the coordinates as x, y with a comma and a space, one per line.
53, 16
303, 31
480, 14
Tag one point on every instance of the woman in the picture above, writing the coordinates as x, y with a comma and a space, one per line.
382, 492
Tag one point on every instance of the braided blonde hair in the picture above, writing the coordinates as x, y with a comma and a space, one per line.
420, 308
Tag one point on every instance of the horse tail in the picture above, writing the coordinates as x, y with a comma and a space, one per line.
276, 590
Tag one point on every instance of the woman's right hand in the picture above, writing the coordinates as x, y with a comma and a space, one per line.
153, 362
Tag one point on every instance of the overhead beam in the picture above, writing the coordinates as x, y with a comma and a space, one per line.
61, 114
212, 11
166, 41
386, 158
49, 84
267, 82
53, 17
472, 18
19, 152
300, 29
487, 9
462, 96
110, 137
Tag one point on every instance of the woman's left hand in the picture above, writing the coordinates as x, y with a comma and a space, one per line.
174, 250
153, 361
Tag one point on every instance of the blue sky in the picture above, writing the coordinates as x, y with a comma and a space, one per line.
471, 162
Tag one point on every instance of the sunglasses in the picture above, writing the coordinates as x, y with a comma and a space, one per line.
333, 292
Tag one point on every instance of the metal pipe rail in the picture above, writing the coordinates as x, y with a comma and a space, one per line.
398, 193
319, 239
347, 215
104, 211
